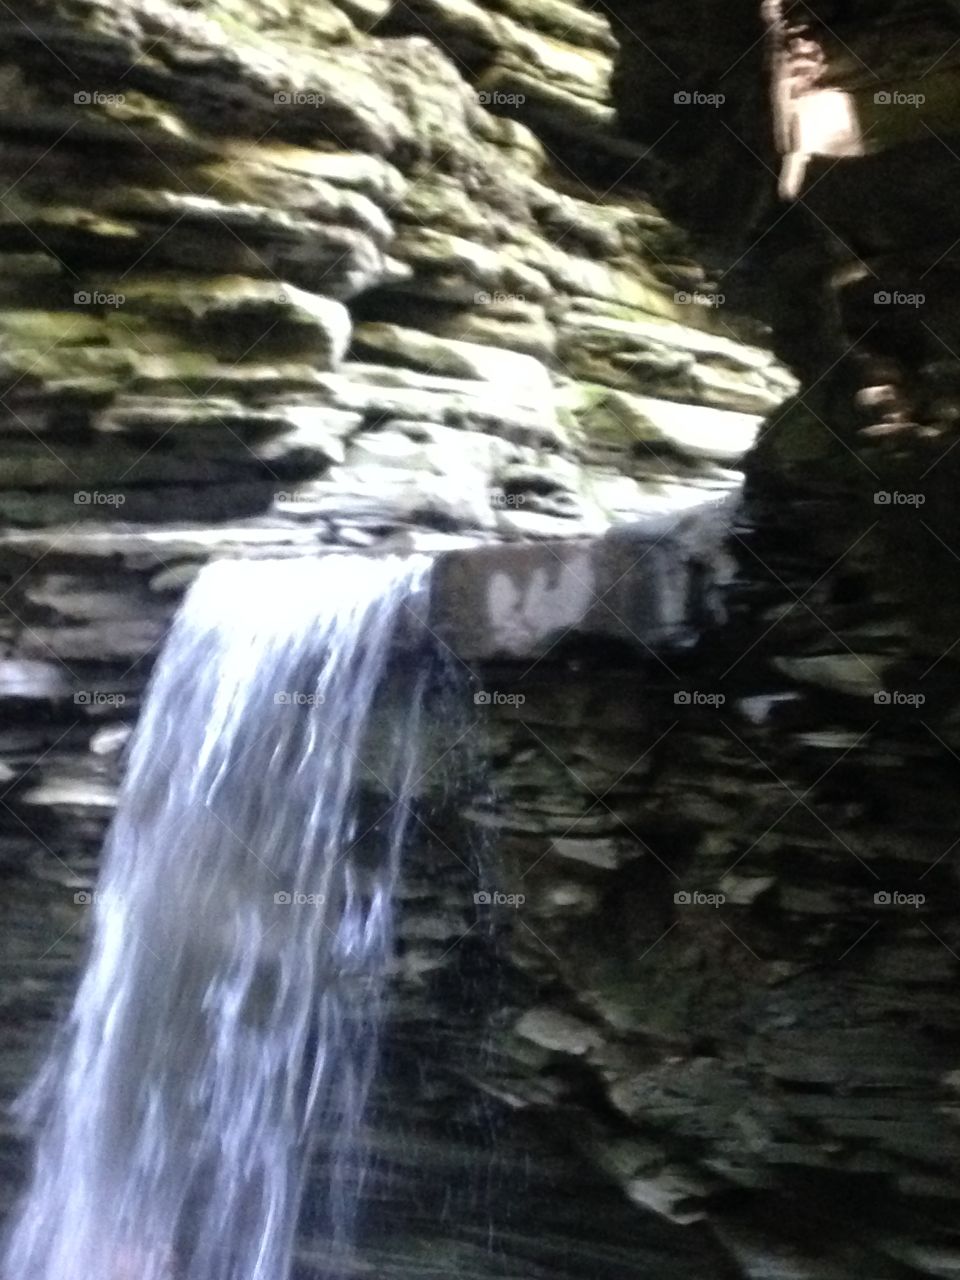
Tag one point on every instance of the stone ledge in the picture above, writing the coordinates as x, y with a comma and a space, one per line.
652, 586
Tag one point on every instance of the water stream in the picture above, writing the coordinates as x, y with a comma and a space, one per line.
229, 1008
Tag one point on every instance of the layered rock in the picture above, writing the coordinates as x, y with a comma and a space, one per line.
316, 278
258, 300
210, 258
279, 281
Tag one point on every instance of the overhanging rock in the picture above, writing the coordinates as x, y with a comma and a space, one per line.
650, 585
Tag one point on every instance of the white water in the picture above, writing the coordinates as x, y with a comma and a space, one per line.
218, 1027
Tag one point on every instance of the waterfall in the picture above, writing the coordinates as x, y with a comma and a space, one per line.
229, 1006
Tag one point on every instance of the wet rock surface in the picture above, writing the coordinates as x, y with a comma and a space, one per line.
675, 986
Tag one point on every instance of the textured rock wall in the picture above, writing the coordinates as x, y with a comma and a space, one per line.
392, 275
282, 281
817, 1027
274, 295
198, 242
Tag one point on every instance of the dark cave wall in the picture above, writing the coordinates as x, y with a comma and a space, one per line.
344, 335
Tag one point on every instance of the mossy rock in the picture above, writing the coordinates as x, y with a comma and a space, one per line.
795, 445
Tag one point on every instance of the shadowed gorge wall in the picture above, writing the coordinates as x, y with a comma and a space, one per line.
537, 277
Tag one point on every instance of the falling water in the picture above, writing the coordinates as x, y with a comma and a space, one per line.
228, 1010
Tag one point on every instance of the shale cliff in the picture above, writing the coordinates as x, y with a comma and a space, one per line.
676, 989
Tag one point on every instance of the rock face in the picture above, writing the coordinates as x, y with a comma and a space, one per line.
177, 316
674, 994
